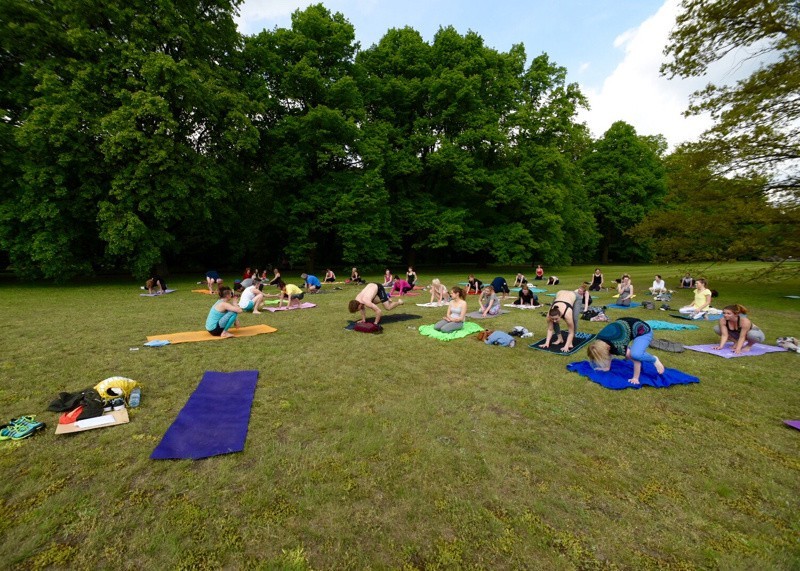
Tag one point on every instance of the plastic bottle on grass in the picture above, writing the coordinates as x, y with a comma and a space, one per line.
135, 398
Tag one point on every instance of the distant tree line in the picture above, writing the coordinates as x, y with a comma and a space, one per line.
139, 133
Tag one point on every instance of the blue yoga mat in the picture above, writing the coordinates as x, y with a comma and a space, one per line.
214, 420
656, 324
622, 370
615, 306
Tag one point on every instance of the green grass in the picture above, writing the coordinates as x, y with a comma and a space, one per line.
397, 451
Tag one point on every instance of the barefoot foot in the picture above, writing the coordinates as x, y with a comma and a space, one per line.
659, 366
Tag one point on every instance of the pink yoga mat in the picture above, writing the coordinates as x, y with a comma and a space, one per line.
727, 351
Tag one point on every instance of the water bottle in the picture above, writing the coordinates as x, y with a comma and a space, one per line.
136, 396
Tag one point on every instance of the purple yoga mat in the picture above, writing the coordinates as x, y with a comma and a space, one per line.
792, 423
727, 351
304, 305
214, 420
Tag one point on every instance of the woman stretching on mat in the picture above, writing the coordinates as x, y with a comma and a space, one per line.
624, 291
456, 312
597, 280
439, 292
526, 297
735, 326
401, 286
702, 300
330, 277
474, 284
223, 314
567, 306
489, 303
519, 280
627, 337
370, 296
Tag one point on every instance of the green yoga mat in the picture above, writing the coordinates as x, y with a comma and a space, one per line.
468, 329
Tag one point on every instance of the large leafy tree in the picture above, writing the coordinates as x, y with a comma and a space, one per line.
127, 124
624, 176
757, 119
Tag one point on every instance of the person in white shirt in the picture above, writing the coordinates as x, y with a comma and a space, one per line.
251, 298
658, 286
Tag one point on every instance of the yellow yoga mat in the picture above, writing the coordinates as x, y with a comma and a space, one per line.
191, 336
205, 291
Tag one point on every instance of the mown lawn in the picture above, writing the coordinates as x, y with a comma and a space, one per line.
397, 451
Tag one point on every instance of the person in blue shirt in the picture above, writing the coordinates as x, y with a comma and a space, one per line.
500, 285
223, 314
312, 284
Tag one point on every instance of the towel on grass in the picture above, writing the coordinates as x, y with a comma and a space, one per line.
656, 324
727, 351
304, 305
479, 315
191, 336
214, 420
622, 370
157, 294
434, 304
521, 306
386, 319
580, 340
205, 291
615, 306
468, 329
792, 296
690, 317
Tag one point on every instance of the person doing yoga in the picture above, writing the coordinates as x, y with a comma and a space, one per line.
223, 314
489, 303
626, 337
474, 285
370, 296
527, 297
736, 326
702, 300
438, 291
597, 280
456, 312
624, 291
567, 306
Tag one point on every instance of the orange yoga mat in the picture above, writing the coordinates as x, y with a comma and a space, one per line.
191, 336
205, 291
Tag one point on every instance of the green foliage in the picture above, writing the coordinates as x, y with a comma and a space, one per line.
624, 176
757, 119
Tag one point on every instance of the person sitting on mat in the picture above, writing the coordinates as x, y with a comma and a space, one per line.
659, 286
474, 284
702, 300
370, 296
627, 337
687, 282
355, 277
456, 312
276, 277
291, 293
624, 291
251, 297
388, 278
488, 301
411, 276
583, 293
499, 284
597, 280
439, 291
212, 279
519, 280
312, 283
330, 277
567, 306
248, 273
527, 297
155, 281
223, 314
736, 326
539, 272
401, 286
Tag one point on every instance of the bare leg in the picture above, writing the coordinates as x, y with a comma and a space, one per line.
637, 369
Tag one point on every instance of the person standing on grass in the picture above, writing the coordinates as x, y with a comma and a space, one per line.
627, 337
456, 312
291, 293
223, 314
567, 306
736, 326
251, 297
370, 297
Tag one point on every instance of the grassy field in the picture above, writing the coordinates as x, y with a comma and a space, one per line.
397, 451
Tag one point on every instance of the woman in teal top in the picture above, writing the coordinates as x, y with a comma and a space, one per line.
627, 337
223, 314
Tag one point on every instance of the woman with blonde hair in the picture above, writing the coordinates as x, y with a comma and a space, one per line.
626, 337
736, 326
439, 292
456, 312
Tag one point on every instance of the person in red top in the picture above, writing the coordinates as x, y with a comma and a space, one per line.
248, 273
539, 272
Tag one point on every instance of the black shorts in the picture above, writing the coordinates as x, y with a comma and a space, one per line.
382, 295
